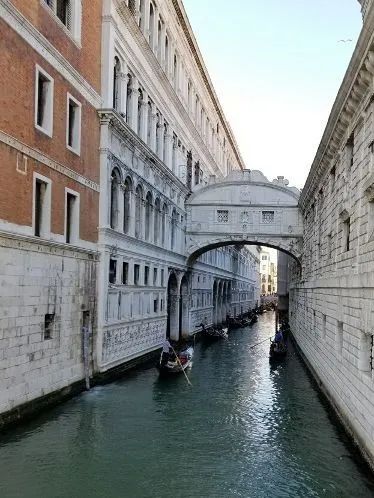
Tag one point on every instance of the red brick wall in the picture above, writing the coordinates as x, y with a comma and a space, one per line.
85, 60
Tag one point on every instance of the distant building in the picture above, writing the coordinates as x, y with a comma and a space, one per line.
268, 271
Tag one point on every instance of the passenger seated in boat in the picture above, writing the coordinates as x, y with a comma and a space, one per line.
165, 355
278, 339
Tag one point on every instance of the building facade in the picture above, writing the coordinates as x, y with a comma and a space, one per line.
163, 134
268, 271
332, 293
49, 193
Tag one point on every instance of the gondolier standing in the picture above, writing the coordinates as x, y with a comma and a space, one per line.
166, 347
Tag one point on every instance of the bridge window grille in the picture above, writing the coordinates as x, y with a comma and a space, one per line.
244, 217
268, 217
222, 216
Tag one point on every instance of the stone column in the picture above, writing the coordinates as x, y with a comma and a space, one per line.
174, 317
160, 137
108, 64
169, 149
123, 91
155, 30
144, 117
146, 18
134, 104
153, 138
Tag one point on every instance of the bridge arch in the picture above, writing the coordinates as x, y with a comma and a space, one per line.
244, 208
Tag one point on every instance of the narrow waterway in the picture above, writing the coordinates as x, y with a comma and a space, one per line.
244, 429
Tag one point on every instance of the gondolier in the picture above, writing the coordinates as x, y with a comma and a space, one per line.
165, 355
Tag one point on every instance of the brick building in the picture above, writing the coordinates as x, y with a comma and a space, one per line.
49, 189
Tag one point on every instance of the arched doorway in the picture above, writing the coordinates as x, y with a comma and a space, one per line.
172, 327
183, 309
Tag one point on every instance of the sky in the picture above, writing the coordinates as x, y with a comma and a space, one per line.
276, 66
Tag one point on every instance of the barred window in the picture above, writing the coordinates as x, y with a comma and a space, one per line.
222, 216
268, 217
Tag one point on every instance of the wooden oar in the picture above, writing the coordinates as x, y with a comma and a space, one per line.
261, 342
178, 360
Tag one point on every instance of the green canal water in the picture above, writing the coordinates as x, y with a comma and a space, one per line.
244, 429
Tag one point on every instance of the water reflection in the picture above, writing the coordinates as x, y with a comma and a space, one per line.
244, 429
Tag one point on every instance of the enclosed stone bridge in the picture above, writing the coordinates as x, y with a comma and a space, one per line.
244, 207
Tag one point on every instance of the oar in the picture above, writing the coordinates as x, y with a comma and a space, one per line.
261, 342
178, 360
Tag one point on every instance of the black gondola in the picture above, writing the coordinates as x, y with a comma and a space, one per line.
278, 350
176, 363
214, 332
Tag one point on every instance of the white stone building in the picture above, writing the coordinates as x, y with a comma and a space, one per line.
162, 133
268, 271
332, 294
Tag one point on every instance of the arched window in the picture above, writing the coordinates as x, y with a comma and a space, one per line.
141, 14
138, 211
127, 204
159, 33
156, 221
114, 191
189, 95
128, 98
174, 218
148, 215
140, 102
165, 134
175, 71
116, 83
163, 224
167, 54
197, 173
151, 23
149, 122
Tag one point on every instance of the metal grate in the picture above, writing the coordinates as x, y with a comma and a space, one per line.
222, 216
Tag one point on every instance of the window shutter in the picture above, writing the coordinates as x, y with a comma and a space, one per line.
68, 14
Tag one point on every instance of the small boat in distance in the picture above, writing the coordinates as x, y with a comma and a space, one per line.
176, 363
214, 332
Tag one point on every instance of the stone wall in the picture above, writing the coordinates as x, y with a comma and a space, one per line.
36, 280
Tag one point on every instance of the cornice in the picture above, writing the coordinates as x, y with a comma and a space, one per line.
188, 32
354, 95
152, 60
45, 49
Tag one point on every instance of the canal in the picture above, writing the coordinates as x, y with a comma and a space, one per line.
244, 429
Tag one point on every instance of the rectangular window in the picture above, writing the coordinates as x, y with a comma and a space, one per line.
268, 217
68, 12
370, 230
73, 125
329, 246
162, 277
72, 218
155, 276
43, 101
42, 206
155, 305
365, 362
332, 178
49, 320
346, 234
323, 326
136, 274
125, 273
146, 275
112, 271
349, 152
339, 337
222, 216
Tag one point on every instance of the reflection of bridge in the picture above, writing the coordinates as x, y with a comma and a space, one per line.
244, 207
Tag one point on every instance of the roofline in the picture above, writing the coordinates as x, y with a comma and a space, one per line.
187, 29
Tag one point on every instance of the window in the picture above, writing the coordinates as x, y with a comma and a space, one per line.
349, 152
71, 217
323, 326
136, 274
125, 273
43, 102
332, 178
222, 216
339, 337
268, 217
112, 271
49, 320
162, 277
68, 12
114, 194
73, 126
329, 246
346, 234
155, 305
155, 272
146, 275
42, 206
264, 258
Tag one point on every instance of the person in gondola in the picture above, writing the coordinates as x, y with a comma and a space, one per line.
166, 348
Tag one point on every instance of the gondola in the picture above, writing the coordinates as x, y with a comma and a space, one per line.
176, 364
278, 351
214, 332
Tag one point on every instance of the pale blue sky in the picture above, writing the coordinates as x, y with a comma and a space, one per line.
276, 66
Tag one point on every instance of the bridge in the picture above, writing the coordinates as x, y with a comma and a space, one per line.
244, 207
